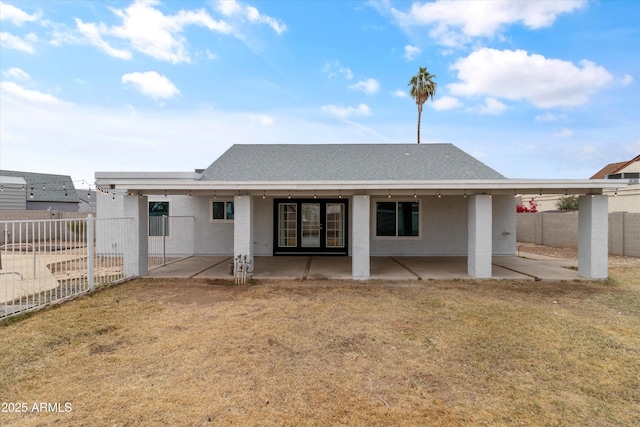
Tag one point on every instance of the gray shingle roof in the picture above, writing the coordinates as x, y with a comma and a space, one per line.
57, 188
347, 162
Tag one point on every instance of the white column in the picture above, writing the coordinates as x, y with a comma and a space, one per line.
136, 251
503, 211
243, 227
593, 237
360, 251
479, 244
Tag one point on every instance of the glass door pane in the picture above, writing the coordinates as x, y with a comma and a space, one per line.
287, 225
335, 225
310, 225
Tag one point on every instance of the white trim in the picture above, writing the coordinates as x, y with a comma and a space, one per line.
224, 200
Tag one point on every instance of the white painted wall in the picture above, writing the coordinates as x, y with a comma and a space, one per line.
443, 226
443, 229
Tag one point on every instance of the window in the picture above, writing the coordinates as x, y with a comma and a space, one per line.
398, 219
158, 210
222, 211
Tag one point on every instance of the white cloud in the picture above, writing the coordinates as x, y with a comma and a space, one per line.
399, 93
516, 75
549, 117
30, 95
228, 7
263, 119
453, 23
368, 86
345, 112
211, 55
151, 84
492, 106
445, 103
255, 16
10, 41
626, 80
332, 68
147, 30
92, 32
411, 52
16, 74
17, 16
564, 133
232, 8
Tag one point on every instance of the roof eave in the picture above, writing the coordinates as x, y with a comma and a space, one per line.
555, 186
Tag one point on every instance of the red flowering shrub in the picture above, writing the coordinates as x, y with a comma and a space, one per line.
533, 207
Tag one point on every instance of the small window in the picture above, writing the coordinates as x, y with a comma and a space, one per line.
398, 219
222, 211
157, 213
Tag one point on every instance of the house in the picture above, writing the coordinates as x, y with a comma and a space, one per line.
624, 198
37, 191
357, 200
86, 200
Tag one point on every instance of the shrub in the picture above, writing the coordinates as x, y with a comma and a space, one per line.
533, 207
567, 203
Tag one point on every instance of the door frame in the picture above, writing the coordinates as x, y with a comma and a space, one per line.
299, 250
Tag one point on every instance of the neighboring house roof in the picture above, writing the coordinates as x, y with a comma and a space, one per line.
46, 187
613, 168
346, 162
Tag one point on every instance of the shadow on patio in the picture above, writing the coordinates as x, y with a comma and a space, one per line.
524, 267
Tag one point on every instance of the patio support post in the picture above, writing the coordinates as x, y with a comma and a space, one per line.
479, 243
243, 227
360, 251
593, 236
136, 248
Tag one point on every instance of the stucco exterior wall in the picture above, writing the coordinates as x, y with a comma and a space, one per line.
443, 229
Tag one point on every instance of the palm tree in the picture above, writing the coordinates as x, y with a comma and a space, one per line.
422, 88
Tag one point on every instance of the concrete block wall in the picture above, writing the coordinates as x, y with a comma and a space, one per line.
560, 230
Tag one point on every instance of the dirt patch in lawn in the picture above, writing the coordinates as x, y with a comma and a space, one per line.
193, 352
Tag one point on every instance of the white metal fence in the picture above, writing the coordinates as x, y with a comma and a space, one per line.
170, 238
47, 261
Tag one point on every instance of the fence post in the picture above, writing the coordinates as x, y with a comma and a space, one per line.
164, 237
90, 250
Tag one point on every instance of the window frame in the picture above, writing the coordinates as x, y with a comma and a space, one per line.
226, 201
374, 223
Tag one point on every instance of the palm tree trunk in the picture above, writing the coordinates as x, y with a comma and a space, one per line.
419, 116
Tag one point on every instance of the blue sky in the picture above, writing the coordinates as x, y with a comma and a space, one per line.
535, 89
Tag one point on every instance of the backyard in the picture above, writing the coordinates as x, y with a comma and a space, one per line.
201, 352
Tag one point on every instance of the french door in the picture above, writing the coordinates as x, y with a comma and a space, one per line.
310, 226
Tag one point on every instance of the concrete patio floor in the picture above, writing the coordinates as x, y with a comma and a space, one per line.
523, 267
